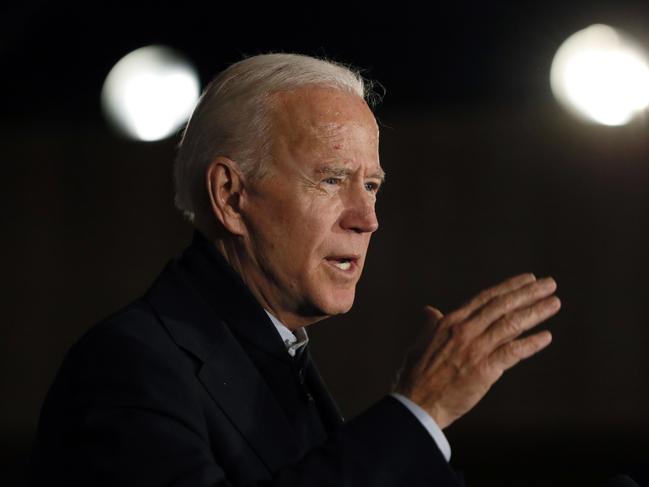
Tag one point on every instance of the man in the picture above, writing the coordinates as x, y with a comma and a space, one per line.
207, 379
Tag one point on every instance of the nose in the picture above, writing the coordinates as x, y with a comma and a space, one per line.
359, 214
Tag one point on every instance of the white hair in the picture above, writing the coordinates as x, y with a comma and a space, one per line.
232, 119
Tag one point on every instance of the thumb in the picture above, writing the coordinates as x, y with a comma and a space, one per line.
431, 336
433, 315
406, 374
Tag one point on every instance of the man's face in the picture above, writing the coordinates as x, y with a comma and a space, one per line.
310, 219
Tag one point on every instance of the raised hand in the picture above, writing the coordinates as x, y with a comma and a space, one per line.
468, 350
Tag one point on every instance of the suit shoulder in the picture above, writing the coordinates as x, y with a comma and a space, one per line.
129, 343
128, 359
132, 326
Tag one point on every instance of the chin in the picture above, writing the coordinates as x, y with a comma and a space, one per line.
338, 303
330, 301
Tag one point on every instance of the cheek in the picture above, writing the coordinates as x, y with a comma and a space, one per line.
319, 224
296, 230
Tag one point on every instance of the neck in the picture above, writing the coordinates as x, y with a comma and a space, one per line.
268, 296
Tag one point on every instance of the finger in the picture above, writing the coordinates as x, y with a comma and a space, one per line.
438, 334
428, 334
509, 354
426, 338
507, 303
487, 295
433, 314
432, 317
513, 324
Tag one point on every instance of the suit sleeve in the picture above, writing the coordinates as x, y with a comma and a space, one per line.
123, 413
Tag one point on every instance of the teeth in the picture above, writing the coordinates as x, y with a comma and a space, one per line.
343, 265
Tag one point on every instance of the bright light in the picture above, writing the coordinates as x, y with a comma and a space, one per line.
600, 75
150, 93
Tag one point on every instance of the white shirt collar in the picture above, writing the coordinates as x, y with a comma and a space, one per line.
293, 341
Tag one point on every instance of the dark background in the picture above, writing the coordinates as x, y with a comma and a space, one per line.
487, 177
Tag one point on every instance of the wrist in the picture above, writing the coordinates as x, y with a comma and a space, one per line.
433, 409
440, 417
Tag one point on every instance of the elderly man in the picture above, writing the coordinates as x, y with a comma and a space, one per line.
207, 379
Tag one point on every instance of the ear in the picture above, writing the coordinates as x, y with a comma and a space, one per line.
224, 186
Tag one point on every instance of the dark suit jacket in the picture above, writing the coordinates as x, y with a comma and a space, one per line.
192, 386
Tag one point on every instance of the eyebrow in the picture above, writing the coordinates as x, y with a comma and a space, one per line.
345, 171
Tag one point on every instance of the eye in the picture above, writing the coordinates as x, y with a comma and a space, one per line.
372, 187
332, 181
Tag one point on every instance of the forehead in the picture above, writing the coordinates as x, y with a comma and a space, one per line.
315, 115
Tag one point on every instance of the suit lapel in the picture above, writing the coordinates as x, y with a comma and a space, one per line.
227, 373
329, 412
234, 384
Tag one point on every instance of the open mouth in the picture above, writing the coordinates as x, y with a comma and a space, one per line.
344, 263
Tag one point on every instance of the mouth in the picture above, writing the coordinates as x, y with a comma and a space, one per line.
346, 263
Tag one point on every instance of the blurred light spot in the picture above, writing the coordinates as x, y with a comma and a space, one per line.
599, 74
150, 93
